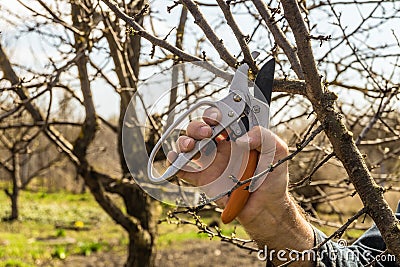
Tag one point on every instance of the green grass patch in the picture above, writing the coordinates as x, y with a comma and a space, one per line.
14, 263
53, 226
87, 248
176, 235
354, 233
172, 235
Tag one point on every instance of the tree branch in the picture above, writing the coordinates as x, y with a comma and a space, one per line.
279, 37
163, 43
240, 37
209, 32
342, 140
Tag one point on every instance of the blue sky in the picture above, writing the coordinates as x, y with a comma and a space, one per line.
31, 50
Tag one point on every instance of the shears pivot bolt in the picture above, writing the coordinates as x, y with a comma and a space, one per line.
231, 113
256, 109
237, 98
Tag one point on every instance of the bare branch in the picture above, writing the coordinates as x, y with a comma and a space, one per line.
209, 32
341, 139
280, 37
240, 37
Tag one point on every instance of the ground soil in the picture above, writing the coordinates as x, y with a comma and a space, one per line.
191, 253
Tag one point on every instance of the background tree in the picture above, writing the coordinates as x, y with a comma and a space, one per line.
85, 19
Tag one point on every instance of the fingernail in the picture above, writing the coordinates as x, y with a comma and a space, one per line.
186, 142
214, 116
205, 131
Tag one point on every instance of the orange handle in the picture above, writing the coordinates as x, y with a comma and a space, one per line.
239, 197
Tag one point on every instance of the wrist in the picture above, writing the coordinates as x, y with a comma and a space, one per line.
267, 205
282, 227
271, 220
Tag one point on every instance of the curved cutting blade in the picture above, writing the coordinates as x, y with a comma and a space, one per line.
265, 81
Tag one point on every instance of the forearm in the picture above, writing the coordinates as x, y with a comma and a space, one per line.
280, 227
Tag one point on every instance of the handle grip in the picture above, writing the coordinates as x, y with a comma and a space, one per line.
239, 197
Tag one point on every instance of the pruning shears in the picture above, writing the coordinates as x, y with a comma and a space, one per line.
240, 111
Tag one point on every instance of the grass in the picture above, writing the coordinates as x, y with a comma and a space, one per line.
54, 226
171, 235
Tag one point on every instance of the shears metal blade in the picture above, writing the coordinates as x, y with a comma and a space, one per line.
263, 91
265, 81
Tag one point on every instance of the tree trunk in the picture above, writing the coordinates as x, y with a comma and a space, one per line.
16, 181
141, 248
140, 255
14, 203
138, 203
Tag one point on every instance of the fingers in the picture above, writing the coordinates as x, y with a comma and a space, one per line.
254, 138
212, 116
171, 157
264, 141
185, 143
198, 130
186, 174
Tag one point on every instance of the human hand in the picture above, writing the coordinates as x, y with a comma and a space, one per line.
270, 194
270, 216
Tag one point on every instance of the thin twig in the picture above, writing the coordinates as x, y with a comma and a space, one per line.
218, 44
240, 37
280, 37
